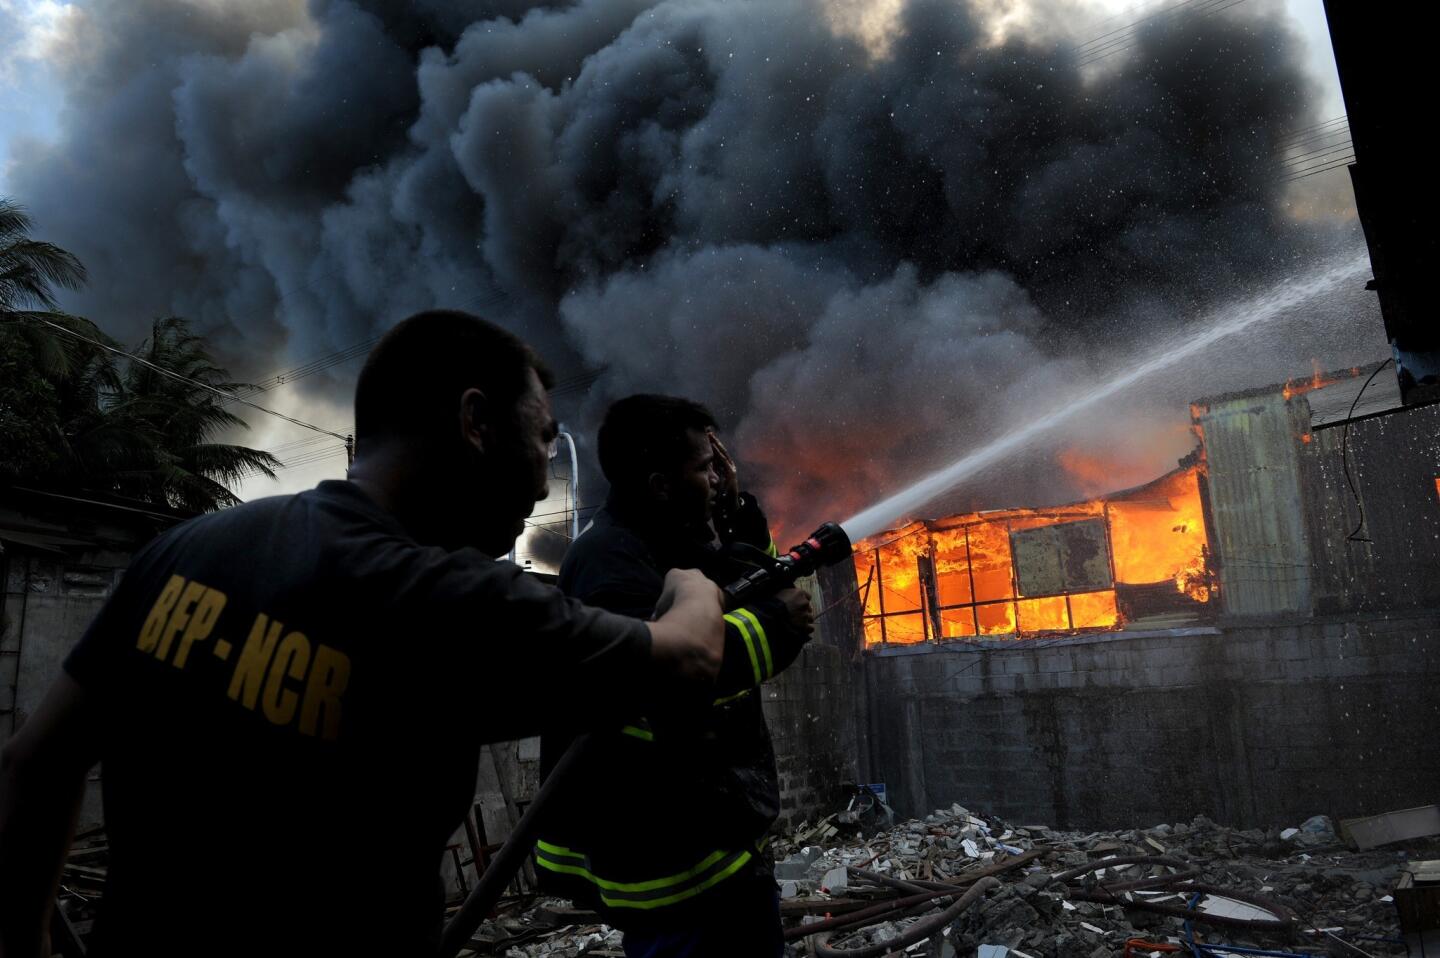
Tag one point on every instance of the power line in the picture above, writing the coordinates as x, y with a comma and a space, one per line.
1096, 43
304, 459
295, 444
353, 351
1305, 132
319, 364
1324, 169
576, 383
192, 382
1122, 44
1128, 36
1286, 143
564, 512
1302, 159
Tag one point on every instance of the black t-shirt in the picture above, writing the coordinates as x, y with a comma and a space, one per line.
293, 695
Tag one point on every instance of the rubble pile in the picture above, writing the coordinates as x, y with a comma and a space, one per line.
1061, 894
1087, 894
548, 928
1029, 891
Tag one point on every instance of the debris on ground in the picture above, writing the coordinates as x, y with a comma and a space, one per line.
963, 883
1074, 894
1038, 892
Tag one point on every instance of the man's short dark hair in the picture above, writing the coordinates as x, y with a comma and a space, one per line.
646, 433
413, 378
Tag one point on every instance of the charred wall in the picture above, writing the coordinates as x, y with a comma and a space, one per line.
1250, 725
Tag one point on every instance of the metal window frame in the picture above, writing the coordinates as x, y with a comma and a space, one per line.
930, 615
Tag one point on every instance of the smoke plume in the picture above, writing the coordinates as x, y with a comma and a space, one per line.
861, 232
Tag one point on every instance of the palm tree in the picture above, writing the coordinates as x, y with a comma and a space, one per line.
49, 374
156, 426
30, 272
73, 417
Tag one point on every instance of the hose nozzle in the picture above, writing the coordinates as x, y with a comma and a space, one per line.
827, 545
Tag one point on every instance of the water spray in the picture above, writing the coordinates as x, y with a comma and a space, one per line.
1229, 322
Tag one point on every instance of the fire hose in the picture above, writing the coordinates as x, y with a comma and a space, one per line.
827, 545
922, 898
920, 930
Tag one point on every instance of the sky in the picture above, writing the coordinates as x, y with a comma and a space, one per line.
33, 44
30, 96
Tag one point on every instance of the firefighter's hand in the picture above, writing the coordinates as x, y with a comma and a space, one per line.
728, 495
688, 634
797, 610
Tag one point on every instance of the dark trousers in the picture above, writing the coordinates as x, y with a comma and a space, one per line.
743, 922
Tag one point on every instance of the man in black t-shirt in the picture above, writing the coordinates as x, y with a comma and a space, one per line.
289, 696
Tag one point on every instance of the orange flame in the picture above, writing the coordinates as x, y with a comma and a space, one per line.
1317, 380
1156, 534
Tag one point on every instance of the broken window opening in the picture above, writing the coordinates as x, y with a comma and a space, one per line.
1019, 573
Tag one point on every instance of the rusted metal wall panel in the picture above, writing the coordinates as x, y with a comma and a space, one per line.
1260, 546
1392, 559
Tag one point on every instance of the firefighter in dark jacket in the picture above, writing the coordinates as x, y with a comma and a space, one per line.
666, 833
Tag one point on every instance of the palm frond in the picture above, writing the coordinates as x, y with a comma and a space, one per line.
228, 463
14, 221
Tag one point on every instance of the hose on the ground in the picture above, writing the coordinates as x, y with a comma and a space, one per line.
920, 930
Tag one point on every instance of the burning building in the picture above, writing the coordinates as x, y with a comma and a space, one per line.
1254, 635
1139, 557
1097, 564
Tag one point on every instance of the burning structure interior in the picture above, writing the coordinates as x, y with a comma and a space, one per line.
1251, 636
1023, 572
1135, 558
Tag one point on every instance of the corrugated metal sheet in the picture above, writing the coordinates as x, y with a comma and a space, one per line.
1259, 542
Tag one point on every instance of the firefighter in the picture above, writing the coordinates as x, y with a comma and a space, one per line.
666, 837
289, 696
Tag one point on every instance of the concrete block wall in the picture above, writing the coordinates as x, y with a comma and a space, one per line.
816, 707
1251, 726
48, 603
811, 709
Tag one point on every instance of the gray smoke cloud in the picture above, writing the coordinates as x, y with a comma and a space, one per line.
850, 243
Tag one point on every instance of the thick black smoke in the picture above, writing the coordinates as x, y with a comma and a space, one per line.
849, 241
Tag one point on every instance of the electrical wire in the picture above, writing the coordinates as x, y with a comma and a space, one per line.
1326, 169
192, 382
1303, 134
1354, 535
306, 459
353, 351
1127, 37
